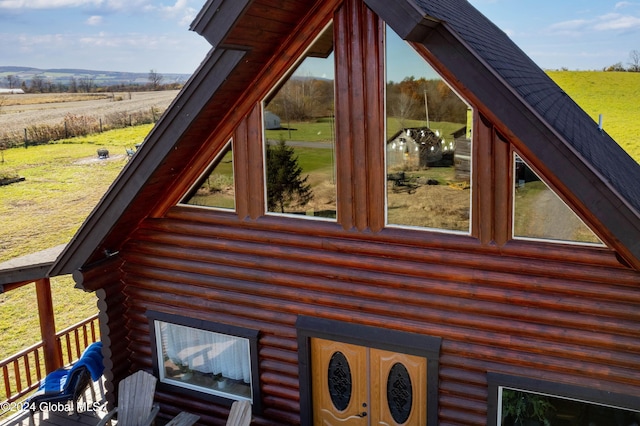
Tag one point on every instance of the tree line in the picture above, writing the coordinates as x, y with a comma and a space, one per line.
422, 99
85, 84
303, 99
633, 64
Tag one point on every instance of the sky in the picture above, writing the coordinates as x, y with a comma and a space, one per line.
144, 35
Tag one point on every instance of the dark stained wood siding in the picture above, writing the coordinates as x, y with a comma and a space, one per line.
360, 126
541, 318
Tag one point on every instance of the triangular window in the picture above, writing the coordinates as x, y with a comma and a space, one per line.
215, 188
299, 136
428, 144
538, 212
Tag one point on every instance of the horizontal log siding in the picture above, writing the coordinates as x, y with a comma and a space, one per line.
541, 318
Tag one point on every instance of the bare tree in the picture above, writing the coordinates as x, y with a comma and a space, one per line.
86, 84
155, 79
37, 83
73, 85
634, 61
13, 80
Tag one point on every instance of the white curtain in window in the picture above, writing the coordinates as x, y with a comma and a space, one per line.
206, 351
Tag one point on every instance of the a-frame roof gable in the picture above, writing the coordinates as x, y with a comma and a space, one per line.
561, 138
554, 129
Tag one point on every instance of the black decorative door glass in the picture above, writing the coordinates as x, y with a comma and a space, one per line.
399, 393
340, 383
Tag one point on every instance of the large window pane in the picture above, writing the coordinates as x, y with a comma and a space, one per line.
298, 119
203, 360
538, 213
428, 150
518, 407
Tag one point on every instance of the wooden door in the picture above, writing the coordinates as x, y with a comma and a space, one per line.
339, 383
360, 386
398, 388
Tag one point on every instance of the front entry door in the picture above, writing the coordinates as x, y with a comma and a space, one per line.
359, 386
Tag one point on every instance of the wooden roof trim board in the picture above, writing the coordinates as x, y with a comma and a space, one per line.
438, 24
216, 19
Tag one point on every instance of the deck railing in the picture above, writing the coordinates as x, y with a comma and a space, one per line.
22, 372
73, 340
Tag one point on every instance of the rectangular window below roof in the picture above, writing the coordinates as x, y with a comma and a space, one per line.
523, 401
206, 358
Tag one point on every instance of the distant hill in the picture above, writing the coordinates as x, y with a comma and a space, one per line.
100, 78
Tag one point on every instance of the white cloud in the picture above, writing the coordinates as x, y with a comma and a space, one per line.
607, 22
615, 21
180, 10
46, 4
572, 25
626, 5
94, 20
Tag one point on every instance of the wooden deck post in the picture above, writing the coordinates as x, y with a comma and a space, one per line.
52, 355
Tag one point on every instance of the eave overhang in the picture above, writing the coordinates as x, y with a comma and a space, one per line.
23, 270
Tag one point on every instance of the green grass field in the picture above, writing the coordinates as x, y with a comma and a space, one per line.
614, 95
64, 182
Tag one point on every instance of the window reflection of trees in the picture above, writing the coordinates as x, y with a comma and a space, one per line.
301, 178
428, 152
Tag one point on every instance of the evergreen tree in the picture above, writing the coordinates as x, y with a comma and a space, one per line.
285, 184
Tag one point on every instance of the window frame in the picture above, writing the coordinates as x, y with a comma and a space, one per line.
171, 386
497, 381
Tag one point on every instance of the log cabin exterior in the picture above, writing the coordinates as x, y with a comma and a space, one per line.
455, 315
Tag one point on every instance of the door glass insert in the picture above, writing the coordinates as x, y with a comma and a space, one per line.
428, 144
538, 212
299, 136
399, 393
340, 387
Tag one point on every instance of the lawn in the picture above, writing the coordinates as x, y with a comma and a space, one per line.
614, 95
63, 183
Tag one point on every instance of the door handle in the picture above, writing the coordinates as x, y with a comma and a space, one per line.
364, 413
